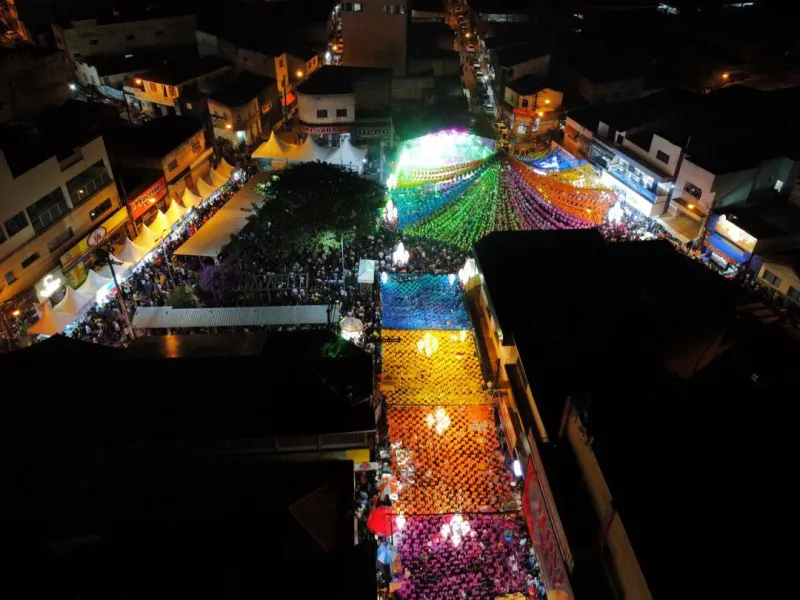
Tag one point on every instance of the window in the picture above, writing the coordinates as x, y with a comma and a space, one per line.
159, 34
280, 63
793, 293
771, 278
10, 277
106, 80
692, 190
778, 185
620, 138
93, 42
100, 209
196, 147
130, 37
16, 224
662, 156
188, 106
173, 164
61, 239
30, 260
341, 112
394, 9
83, 186
352, 7
153, 87
2, 236
48, 210
525, 103
322, 114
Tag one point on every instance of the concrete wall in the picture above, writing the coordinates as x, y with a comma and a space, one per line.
19, 193
245, 121
307, 107
374, 39
699, 177
88, 38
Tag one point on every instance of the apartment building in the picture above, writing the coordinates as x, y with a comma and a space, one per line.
375, 34
175, 146
56, 187
242, 106
122, 35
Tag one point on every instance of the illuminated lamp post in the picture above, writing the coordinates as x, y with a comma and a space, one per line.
400, 256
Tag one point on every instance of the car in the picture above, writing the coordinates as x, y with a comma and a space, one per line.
500, 128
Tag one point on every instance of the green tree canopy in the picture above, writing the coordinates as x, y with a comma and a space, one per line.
311, 204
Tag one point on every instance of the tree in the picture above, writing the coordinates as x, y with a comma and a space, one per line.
218, 281
180, 297
313, 204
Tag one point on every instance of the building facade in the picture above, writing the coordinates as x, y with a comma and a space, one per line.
46, 212
375, 34
109, 37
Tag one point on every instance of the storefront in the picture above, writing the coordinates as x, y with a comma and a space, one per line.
364, 133
548, 539
143, 204
726, 244
76, 262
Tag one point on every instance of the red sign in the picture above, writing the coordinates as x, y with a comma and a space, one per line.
545, 544
149, 197
325, 129
288, 99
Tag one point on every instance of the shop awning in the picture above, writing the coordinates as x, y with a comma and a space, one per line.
366, 270
719, 244
229, 220
681, 226
165, 317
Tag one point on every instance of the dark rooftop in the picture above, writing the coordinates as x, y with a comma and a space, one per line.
57, 133
182, 70
602, 66
241, 89
527, 85
501, 6
510, 56
141, 60
636, 113
428, 5
764, 220
674, 364
158, 137
339, 80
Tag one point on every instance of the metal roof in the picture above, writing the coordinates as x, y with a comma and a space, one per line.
166, 317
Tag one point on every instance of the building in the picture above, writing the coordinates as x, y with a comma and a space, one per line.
375, 34
170, 88
428, 11
174, 146
32, 79
237, 499
347, 100
122, 35
239, 108
605, 76
56, 186
287, 62
507, 64
432, 48
534, 108
622, 452
505, 11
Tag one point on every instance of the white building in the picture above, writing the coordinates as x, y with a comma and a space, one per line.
120, 36
56, 187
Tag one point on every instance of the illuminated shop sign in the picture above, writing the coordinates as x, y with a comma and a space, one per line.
147, 198
325, 129
737, 235
374, 132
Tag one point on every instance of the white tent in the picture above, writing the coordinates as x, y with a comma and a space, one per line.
274, 149
366, 271
309, 151
175, 212
94, 282
131, 253
349, 156
160, 223
51, 321
145, 241
105, 272
217, 178
224, 169
206, 189
190, 199
73, 302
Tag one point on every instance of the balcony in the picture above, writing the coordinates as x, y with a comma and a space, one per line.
89, 182
45, 218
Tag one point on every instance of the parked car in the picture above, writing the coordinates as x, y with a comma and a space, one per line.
500, 128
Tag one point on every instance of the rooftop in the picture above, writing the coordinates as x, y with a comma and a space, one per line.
623, 116
764, 220
158, 137
241, 89
602, 66
142, 60
182, 70
57, 133
511, 56
340, 80
527, 85
657, 377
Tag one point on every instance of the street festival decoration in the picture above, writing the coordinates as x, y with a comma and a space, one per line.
422, 302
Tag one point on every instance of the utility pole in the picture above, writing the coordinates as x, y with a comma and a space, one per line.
343, 277
120, 295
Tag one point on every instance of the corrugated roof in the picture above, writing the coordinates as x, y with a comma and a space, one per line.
166, 317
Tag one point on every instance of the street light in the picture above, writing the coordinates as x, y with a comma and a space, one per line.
299, 74
726, 75
137, 81
228, 126
547, 101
